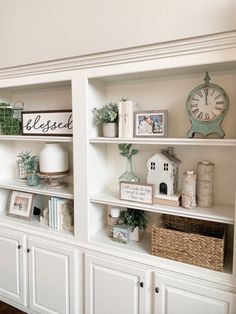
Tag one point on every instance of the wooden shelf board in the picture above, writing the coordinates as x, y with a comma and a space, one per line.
166, 141
36, 138
219, 212
144, 247
13, 184
34, 224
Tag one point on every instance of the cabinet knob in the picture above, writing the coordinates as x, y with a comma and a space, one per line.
19, 247
157, 290
28, 250
141, 284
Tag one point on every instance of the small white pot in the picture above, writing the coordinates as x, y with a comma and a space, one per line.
110, 129
136, 235
115, 212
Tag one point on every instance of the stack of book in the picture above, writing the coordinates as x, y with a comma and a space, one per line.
57, 207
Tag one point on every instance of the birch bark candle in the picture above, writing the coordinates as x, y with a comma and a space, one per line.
205, 174
189, 189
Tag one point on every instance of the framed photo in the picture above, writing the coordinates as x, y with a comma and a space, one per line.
21, 205
150, 123
136, 192
52, 122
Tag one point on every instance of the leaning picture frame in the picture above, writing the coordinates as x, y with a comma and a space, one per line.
21, 205
151, 123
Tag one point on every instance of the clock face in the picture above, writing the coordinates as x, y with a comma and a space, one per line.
207, 103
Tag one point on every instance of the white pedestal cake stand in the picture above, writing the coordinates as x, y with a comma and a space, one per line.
53, 180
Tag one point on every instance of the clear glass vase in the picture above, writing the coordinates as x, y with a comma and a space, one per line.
129, 175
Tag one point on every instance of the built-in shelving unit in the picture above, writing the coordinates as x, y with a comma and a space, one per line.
38, 94
157, 87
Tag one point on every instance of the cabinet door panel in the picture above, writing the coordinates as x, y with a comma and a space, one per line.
114, 288
182, 297
12, 276
51, 278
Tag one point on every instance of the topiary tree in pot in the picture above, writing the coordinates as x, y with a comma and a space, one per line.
136, 220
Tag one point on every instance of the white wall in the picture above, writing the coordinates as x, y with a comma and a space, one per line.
40, 30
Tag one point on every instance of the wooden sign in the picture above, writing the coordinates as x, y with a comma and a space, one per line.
54, 123
136, 192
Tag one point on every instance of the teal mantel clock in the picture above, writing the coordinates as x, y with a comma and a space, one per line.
207, 105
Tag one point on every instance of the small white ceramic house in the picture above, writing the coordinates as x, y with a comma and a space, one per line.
162, 171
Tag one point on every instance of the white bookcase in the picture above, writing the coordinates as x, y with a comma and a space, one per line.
44, 93
158, 85
158, 77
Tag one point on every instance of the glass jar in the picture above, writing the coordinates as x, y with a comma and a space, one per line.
129, 175
33, 179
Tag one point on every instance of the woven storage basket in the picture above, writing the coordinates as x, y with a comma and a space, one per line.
191, 241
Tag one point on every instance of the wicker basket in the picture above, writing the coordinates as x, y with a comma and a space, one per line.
191, 241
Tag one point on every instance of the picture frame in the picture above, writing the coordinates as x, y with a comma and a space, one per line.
152, 123
21, 205
47, 122
137, 192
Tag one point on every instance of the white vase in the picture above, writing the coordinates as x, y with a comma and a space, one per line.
110, 129
136, 234
53, 159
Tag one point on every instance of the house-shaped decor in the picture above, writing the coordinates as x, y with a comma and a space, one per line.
162, 171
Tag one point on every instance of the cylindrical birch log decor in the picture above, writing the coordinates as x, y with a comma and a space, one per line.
205, 174
189, 189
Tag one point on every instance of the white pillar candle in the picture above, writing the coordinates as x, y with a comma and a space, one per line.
115, 212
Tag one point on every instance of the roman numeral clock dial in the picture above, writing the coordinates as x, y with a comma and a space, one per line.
207, 105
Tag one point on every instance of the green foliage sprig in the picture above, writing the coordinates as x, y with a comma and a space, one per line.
134, 218
106, 114
127, 151
30, 162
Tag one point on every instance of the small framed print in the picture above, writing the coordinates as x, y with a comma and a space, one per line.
136, 192
21, 205
120, 233
150, 123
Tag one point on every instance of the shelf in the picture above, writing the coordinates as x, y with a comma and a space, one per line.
13, 184
166, 141
34, 224
219, 213
144, 247
36, 138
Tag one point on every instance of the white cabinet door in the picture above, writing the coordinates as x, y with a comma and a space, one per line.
12, 266
52, 275
177, 296
114, 288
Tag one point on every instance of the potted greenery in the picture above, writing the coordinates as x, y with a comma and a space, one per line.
32, 167
107, 115
136, 220
23, 159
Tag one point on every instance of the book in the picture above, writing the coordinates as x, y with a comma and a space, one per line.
126, 110
173, 200
120, 119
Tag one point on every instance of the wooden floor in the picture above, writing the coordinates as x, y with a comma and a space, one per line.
7, 309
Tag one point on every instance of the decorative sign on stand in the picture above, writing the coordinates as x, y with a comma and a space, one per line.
136, 192
54, 123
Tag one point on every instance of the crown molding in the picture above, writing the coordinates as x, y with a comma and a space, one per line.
213, 42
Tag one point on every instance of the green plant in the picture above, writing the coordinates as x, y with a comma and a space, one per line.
127, 151
134, 218
106, 114
29, 161
32, 164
